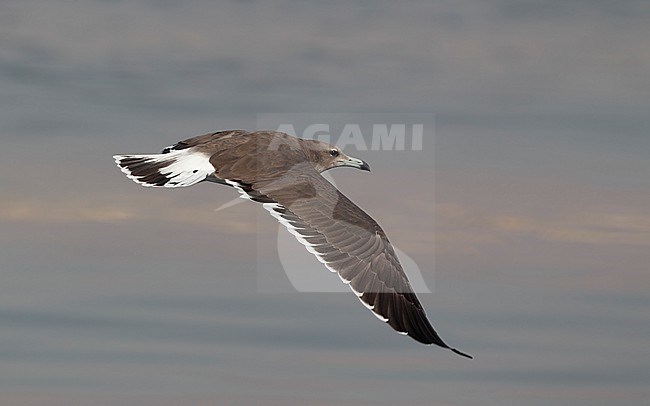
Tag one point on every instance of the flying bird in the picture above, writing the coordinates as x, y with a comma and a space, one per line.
283, 173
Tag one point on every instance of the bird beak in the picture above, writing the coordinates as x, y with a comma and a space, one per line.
356, 163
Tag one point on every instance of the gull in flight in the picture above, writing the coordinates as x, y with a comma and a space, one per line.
283, 173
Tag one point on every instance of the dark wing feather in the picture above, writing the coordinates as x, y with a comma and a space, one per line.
349, 242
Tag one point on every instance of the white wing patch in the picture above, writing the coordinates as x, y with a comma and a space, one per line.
188, 168
182, 168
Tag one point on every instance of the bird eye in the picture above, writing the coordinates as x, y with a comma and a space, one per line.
334, 152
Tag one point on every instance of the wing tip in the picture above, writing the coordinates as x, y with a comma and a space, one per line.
464, 354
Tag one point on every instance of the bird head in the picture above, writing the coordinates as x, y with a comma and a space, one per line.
325, 156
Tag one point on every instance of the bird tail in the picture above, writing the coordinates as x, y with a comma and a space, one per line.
171, 169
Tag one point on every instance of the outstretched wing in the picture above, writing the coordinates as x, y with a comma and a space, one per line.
348, 241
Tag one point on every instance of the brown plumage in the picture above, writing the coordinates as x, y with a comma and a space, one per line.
283, 173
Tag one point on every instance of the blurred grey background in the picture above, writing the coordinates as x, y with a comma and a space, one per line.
113, 294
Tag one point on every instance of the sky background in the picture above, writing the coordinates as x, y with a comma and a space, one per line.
527, 213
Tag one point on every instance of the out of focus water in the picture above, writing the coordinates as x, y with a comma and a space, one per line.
112, 294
